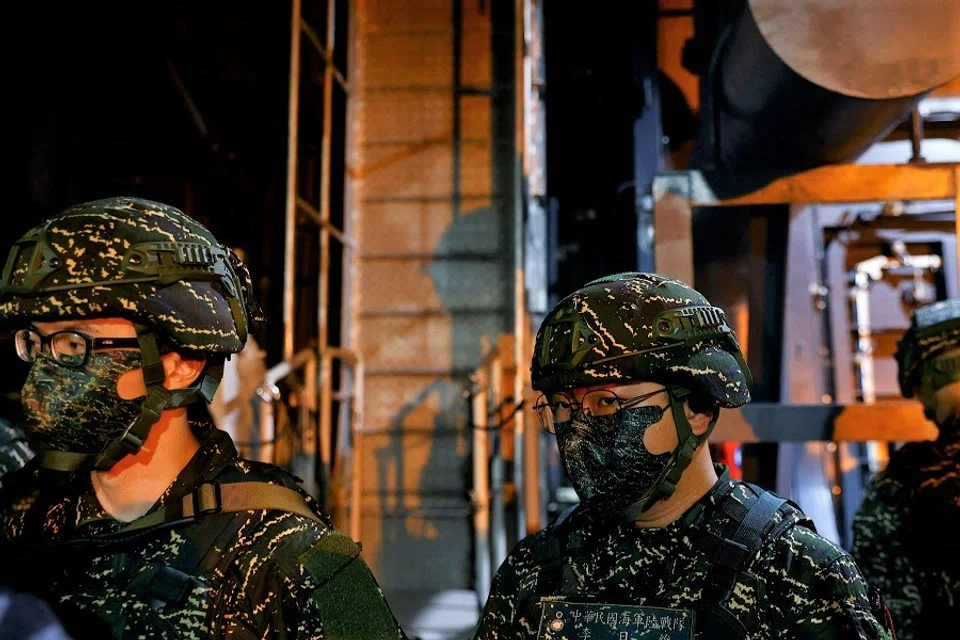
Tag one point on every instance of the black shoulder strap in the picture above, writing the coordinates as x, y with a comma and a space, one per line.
749, 528
548, 558
164, 585
757, 521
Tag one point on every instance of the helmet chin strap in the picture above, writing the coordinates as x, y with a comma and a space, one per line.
688, 443
158, 400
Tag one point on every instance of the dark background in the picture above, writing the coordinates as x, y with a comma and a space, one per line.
185, 103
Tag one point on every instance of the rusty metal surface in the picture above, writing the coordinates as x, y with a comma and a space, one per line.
796, 85
673, 239
290, 224
874, 49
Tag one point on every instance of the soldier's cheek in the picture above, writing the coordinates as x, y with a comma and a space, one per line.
130, 385
660, 438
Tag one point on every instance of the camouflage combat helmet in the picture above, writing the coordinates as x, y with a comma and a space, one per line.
642, 326
144, 261
134, 258
934, 329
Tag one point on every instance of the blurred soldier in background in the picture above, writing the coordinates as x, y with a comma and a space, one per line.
907, 530
634, 369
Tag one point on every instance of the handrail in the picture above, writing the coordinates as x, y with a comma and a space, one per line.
269, 394
316, 429
499, 434
267, 390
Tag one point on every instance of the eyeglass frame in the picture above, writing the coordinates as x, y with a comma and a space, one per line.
92, 344
622, 403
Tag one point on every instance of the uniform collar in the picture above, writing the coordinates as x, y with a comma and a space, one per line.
721, 488
692, 515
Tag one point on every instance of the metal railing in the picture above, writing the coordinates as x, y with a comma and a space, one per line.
273, 421
328, 460
506, 460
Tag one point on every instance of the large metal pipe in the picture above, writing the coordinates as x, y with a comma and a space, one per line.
795, 84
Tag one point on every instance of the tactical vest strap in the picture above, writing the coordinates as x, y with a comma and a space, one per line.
748, 529
758, 519
347, 595
62, 460
734, 550
163, 586
212, 498
172, 584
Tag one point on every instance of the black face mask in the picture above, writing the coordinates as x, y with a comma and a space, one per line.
606, 460
78, 409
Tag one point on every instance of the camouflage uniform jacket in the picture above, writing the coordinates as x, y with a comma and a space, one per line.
905, 536
798, 585
244, 574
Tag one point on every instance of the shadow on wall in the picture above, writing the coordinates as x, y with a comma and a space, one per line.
426, 527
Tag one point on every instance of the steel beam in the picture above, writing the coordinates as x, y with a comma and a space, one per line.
771, 422
290, 224
827, 184
676, 193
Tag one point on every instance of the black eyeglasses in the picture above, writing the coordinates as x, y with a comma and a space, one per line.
69, 348
560, 407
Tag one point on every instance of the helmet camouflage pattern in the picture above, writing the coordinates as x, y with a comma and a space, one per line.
132, 258
640, 326
934, 329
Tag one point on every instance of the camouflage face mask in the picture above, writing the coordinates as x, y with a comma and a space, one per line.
606, 460
78, 409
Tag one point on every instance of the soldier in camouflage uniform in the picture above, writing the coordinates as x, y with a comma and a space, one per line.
907, 528
126, 294
634, 369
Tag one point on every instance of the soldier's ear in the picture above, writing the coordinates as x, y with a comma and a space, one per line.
182, 371
699, 414
699, 423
